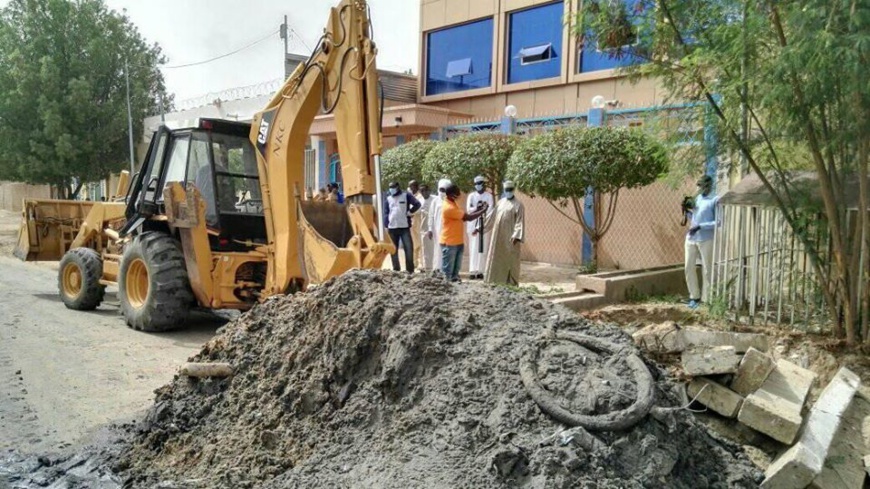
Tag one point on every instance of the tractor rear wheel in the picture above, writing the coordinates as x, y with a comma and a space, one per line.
153, 287
78, 279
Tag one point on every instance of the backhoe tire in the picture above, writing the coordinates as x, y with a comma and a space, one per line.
153, 287
78, 279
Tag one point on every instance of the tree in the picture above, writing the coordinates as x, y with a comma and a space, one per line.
405, 162
462, 158
778, 76
561, 165
63, 111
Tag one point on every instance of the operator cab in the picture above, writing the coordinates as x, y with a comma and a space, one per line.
217, 157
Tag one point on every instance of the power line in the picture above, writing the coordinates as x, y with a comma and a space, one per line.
258, 41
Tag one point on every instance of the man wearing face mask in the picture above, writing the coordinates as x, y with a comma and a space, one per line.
400, 205
452, 237
699, 241
424, 258
508, 231
477, 229
433, 227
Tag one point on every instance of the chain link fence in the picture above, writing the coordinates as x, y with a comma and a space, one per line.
647, 229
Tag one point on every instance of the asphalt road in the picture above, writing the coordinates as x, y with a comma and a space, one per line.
65, 373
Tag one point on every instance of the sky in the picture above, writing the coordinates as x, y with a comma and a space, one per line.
195, 30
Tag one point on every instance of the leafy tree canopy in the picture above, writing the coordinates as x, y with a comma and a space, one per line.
464, 157
63, 110
788, 84
561, 165
405, 162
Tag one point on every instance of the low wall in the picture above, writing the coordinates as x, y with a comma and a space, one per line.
13, 193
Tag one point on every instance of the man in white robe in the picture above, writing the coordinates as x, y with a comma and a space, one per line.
476, 255
433, 228
426, 243
508, 232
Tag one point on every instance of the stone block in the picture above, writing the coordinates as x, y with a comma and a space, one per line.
662, 338
789, 382
752, 372
773, 416
792, 468
709, 361
715, 396
667, 337
844, 465
742, 342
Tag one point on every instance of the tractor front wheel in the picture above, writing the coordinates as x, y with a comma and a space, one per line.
153, 287
78, 279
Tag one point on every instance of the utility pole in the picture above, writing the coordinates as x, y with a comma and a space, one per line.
129, 119
285, 35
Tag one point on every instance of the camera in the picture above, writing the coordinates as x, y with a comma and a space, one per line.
688, 204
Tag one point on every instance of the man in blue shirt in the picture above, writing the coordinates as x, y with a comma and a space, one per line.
398, 208
699, 241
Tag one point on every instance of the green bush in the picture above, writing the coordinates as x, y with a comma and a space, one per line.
405, 162
462, 158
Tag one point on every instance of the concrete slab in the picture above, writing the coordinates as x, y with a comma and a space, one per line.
582, 301
753, 370
662, 338
715, 396
844, 465
792, 468
793, 465
742, 342
771, 415
669, 338
710, 361
789, 382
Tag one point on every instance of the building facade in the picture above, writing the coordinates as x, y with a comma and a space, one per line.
478, 57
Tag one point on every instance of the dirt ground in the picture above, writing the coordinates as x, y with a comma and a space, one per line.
63, 374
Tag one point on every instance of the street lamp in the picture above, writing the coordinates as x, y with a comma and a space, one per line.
510, 111
598, 102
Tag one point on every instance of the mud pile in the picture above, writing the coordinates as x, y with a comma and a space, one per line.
386, 380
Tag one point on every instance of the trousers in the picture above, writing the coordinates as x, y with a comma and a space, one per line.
403, 236
704, 250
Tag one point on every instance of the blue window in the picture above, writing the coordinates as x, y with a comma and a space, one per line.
459, 58
535, 43
592, 57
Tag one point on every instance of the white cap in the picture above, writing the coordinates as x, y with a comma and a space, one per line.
444, 183
479, 179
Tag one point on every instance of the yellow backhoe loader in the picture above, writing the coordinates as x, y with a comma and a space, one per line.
215, 217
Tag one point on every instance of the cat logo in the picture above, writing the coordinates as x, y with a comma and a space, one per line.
264, 131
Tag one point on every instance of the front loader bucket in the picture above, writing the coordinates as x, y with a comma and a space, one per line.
328, 244
49, 228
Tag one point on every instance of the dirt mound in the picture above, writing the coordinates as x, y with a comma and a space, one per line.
380, 379
385, 380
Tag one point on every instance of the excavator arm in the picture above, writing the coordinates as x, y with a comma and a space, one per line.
309, 242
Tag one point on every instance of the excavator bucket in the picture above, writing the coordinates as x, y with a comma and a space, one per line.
329, 244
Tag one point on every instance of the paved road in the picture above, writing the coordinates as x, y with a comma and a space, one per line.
64, 373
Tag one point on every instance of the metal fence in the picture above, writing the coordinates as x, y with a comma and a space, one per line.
761, 269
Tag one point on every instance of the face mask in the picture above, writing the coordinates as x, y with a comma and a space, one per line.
442, 194
394, 191
509, 194
478, 187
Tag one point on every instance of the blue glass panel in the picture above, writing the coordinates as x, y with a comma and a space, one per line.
593, 59
459, 58
534, 29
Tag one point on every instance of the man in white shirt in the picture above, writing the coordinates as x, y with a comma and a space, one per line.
478, 244
399, 207
425, 257
699, 242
